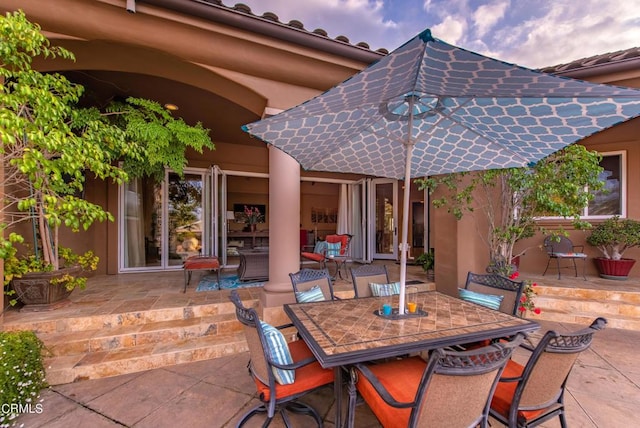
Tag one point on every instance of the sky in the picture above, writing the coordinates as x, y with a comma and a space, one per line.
530, 33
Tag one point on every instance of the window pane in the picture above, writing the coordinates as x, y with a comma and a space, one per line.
609, 201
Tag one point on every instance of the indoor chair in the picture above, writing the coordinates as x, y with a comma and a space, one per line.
334, 248
363, 275
531, 394
452, 389
561, 248
271, 362
311, 285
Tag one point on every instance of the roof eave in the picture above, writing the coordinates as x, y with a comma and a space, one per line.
224, 15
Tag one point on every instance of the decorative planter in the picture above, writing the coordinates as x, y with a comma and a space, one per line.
37, 293
614, 269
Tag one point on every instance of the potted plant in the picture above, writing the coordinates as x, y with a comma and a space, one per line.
50, 146
613, 237
426, 260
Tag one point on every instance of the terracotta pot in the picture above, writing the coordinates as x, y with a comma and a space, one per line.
614, 269
37, 293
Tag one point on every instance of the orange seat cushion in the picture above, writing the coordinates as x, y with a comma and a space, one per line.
503, 397
201, 262
401, 378
313, 256
308, 377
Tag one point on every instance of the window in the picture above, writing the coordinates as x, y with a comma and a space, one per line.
611, 201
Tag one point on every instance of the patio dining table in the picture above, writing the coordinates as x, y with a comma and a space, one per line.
344, 332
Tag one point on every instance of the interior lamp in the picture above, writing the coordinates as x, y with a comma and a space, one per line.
230, 217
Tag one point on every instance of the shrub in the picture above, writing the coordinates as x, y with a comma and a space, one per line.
22, 374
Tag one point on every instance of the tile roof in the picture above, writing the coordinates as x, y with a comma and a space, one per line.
596, 60
294, 24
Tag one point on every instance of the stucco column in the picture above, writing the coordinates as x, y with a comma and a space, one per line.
284, 228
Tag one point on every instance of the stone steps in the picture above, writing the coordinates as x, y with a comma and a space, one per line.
102, 345
95, 365
111, 339
582, 305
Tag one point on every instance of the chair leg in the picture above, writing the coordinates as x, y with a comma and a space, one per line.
563, 420
293, 406
575, 267
187, 279
353, 393
299, 408
558, 263
545, 269
258, 409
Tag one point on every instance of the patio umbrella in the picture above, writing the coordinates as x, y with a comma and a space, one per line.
432, 108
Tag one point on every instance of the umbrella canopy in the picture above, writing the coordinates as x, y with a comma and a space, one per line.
431, 108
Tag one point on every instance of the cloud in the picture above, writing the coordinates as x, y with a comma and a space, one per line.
451, 30
532, 34
488, 15
570, 31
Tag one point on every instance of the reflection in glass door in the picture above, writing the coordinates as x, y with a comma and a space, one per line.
162, 223
384, 221
185, 216
141, 226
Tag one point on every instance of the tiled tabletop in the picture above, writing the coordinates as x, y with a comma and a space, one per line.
347, 331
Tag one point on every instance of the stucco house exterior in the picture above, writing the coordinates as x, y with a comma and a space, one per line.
225, 67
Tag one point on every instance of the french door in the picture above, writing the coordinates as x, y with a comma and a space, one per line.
383, 218
161, 224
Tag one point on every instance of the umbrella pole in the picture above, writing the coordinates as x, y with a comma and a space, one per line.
405, 228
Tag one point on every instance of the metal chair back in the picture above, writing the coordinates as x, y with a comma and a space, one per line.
497, 285
363, 275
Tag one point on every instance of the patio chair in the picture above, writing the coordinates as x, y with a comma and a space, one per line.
561, 248
506, 292
312, 285
363, 275
335, 248
497, 285
529, 395
283, 373
452, 389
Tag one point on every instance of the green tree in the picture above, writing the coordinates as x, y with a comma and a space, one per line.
50, 144
510, 200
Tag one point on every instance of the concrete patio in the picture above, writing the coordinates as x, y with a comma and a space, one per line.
603, 391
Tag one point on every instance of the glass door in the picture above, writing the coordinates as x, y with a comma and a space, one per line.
185, 216
358, 201
384, 219
164, 223
140, 225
